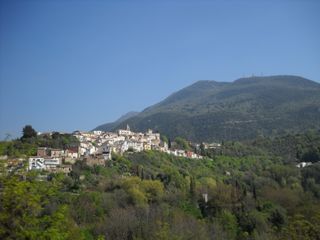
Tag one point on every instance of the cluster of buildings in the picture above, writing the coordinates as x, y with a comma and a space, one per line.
99, 142
54, 160
96, 147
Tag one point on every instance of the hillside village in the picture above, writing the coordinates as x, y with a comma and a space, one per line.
96, 147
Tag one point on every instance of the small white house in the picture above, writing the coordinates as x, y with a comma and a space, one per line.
97, 133
303, 164
37, 163
51, 163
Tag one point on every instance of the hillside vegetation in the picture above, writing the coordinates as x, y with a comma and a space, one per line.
241, 191
27, 145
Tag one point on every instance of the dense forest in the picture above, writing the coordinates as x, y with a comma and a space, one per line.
242, 190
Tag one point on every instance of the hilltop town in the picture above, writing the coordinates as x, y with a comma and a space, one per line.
97, 147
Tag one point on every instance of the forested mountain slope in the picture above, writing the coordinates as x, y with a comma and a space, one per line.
243, 109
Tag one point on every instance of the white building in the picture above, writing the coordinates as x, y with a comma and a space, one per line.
125, 132
303, 164
93, 143
72, 153
37, 163
51, 163
135, 146
97, 133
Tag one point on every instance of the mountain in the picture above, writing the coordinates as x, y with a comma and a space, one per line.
243, 109
110, 126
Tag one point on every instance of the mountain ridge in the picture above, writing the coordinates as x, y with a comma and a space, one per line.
245, 108
111, 125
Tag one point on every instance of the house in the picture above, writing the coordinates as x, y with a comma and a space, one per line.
135, 146
87, 148
146, 146
72, 152
189, 154
92, 149
211, 145
105, 151
180, 153
303, 164
38, 163
95, 160
42, 152
97, 132
154, 137
51, 163
122, 146
125, 132
56, 153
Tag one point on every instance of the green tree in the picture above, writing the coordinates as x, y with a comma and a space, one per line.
229, 223
28, 132
300, 228
192, 188
28, 210
164, 138
182, 143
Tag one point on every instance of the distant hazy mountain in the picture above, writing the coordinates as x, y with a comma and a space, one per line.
243, 109
110, 126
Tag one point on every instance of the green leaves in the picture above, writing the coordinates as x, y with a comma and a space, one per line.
242, 193
28, 132
24, 210
143, 191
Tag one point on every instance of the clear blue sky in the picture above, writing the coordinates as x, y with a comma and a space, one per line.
67, 65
